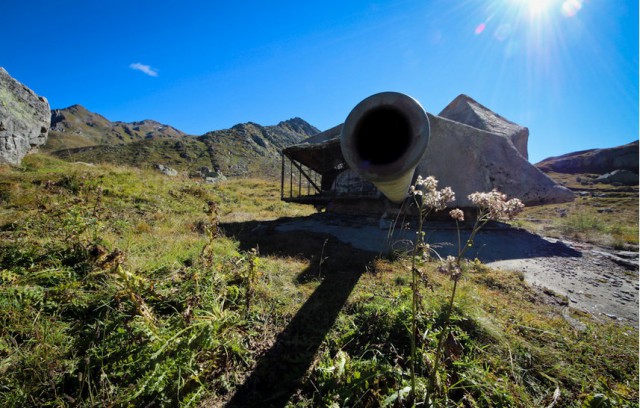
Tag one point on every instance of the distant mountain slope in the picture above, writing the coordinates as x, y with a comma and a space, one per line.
594, 161
75, 126
245, 149
234, 150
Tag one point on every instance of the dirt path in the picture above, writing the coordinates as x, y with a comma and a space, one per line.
596, 280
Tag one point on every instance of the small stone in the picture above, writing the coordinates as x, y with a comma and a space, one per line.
605, 210
168, 171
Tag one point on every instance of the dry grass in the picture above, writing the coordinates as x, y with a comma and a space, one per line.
601, 214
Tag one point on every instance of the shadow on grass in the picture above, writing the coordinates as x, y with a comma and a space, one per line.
280, 371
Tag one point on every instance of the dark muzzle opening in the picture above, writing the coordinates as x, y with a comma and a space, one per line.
382, 136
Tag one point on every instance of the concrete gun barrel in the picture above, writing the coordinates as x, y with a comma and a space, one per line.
383, 139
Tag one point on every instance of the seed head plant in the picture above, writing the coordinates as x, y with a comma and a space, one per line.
427, 198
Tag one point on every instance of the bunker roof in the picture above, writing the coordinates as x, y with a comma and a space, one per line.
320, 153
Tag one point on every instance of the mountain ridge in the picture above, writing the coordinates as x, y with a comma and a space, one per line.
76, 126
596, 161
245, 149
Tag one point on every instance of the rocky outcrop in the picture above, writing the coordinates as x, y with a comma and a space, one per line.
24, 119
467, 111
294, 126
468, 159
594, 161
621, 177
216, 178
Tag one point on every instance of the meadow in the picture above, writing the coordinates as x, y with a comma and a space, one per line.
124, 287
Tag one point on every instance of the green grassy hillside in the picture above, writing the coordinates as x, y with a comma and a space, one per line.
244, 150
123, 287
186, 154
75, 127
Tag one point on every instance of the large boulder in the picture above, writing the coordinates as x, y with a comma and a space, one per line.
24, 119
468, 159
465, 110
624, 177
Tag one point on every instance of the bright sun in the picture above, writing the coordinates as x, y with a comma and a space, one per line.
538, 7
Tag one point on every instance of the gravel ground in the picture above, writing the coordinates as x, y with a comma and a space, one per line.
602, 283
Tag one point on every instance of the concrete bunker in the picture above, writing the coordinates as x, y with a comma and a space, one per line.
365, 165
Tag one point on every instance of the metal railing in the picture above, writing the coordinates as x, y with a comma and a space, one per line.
299, 183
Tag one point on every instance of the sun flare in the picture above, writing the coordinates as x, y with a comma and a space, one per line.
540, 6
536, 8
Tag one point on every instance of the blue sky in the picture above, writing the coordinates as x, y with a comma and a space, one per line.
566, 69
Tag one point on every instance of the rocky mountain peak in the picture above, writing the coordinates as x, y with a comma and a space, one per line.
77, 108
246, 146
299, 125
75, 114
248, 127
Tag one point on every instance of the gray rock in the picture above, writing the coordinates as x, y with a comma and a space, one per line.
259, 141
214, 178
624, 177
166, 170
24, 119
214, 174
469, 160
467, 111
